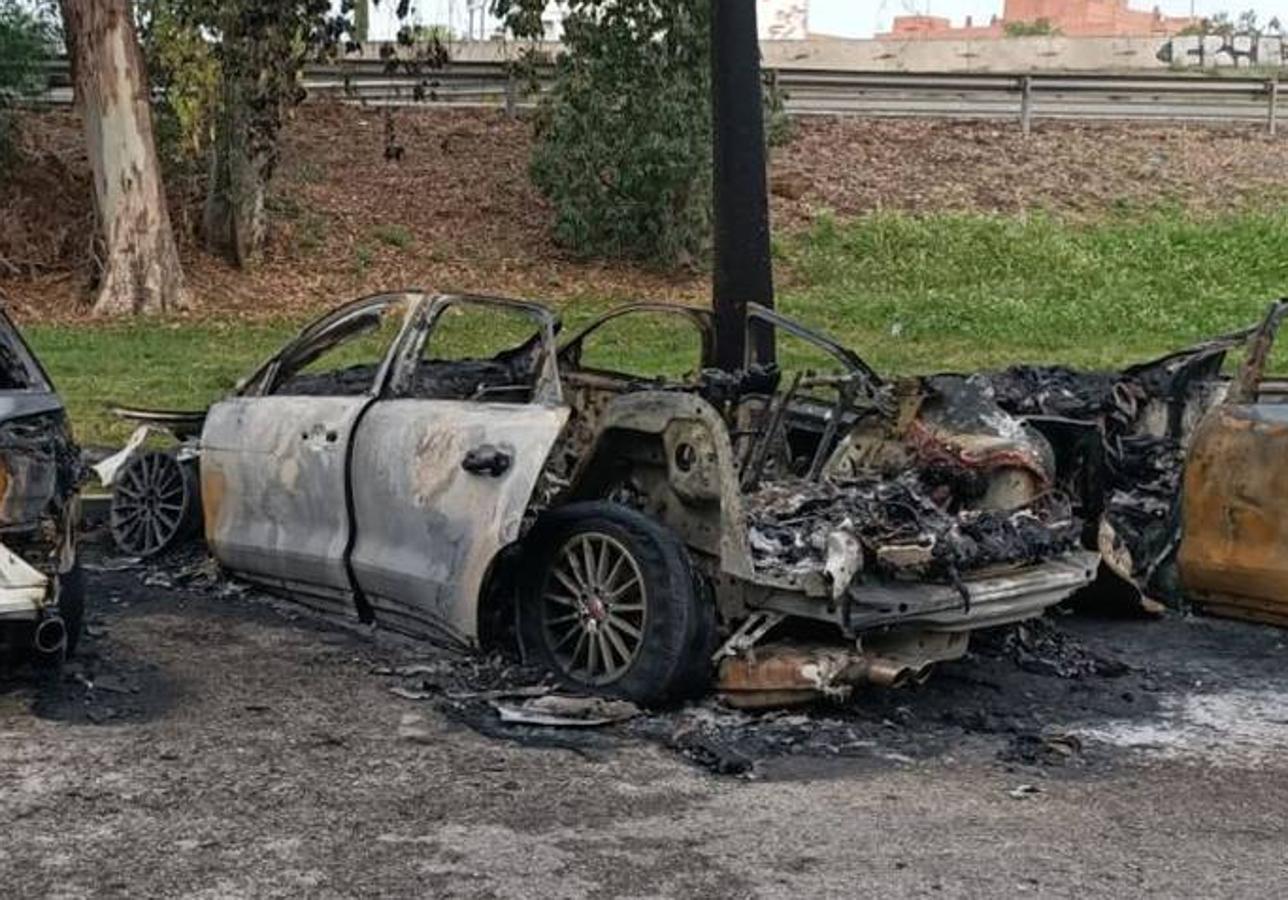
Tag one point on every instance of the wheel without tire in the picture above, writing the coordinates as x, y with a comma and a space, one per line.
608, 602
155, 503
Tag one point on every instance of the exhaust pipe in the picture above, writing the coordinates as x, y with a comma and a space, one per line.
787, 674
885, 672
922, 675
51, 636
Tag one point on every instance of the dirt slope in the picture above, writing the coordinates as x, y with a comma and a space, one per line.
457, 211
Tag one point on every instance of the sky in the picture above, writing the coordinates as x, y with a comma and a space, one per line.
856, 18
860, 18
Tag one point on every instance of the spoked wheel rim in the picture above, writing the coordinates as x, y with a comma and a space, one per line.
150, 504
594, 608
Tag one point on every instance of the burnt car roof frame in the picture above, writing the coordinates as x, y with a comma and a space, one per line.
1261, 342
11, 340
422, 312
303, 348
761, 315
570, 350
547, 389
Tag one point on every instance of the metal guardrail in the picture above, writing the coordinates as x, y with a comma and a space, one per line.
1022, 97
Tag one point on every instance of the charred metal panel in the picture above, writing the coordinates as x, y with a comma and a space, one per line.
39, 463
787, 674
27, 482
1234, 557
985, 600
707, 495
273, 478
439, 488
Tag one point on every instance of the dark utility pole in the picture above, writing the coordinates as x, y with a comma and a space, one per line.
743, 270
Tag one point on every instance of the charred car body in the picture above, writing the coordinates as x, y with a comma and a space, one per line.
653, 527
1176, 469
42, 591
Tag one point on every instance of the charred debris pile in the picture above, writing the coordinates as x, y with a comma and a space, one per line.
946, 474
900, 527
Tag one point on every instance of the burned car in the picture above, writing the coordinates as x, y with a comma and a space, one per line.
1175, 468
642, 529
42, 588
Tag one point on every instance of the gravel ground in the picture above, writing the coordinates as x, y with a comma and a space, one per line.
230, 746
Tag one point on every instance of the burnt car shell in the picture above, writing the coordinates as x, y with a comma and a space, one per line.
41, 594
1150, 468
401, 491
1234, 551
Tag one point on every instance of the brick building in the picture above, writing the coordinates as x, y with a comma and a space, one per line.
1072, 18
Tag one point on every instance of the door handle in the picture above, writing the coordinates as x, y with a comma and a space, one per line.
330, 435
487, 460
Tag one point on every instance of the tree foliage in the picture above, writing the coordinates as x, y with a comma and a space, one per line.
1226, 24
623, 139
623, 148
185, 76
229, 71
26, 40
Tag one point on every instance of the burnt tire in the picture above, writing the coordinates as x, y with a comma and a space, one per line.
156, 503
608, 602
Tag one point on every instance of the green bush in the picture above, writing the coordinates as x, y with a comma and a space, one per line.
26, 41
185, 75
623, 148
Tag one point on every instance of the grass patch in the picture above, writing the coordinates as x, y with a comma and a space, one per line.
147, 364
362, 258
921, 294
394, 235
909, 294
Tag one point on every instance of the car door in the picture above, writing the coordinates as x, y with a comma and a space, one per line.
445, 464
274, 457
1234, 549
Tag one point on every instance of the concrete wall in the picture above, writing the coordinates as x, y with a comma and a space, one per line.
1225, 51
988, 55
984, 55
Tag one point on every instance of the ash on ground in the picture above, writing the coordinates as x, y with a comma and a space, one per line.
1014, 699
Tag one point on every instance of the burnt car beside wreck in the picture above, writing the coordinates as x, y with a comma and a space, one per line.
42, 588
1175, 467
642, 529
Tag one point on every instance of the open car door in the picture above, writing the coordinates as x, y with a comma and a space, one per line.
1234, 551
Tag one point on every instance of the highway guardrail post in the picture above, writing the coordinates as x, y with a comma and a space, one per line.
1026, 104
1272, 116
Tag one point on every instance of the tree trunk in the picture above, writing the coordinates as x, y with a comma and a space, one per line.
234, 223
141, 271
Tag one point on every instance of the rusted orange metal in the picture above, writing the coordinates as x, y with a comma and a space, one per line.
785, 675
1234, 556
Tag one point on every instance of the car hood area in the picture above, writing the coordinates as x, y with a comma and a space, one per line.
40, 473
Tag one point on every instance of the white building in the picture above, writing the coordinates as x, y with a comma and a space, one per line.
781, 20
